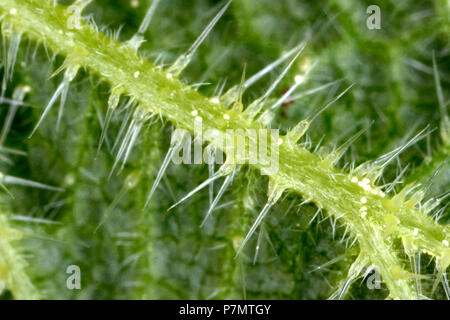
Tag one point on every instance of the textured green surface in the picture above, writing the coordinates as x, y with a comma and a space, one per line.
152, 253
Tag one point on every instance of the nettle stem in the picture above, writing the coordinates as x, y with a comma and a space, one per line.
374, 219
13, 265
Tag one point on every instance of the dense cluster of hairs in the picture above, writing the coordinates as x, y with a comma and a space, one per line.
87, 144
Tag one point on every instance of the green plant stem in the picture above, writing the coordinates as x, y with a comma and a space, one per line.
299, 170
12, 265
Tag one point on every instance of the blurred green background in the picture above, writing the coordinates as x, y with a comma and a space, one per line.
153, 253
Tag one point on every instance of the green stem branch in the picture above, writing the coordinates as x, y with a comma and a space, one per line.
313, 177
